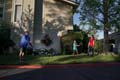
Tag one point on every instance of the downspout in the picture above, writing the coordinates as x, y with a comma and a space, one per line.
22, 14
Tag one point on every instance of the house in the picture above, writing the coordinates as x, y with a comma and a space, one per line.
43, 18
115, 39
5, 10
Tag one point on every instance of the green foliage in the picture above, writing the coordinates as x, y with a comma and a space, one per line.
81, 38
4, 31
101, 14
5, 41
98, 46
97, 12
76, 28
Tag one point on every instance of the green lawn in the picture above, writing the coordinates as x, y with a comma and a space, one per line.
62, 59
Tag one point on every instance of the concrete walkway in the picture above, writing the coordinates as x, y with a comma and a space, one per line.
96, 71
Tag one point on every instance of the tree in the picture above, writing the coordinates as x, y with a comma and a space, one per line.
102, 14
80, 36
76, 28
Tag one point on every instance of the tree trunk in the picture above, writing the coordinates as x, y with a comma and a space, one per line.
106, 41
106, 25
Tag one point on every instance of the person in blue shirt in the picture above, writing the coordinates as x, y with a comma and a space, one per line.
75, 50
24, 43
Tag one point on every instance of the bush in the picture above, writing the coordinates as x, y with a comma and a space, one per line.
67, 41
5, 41
98, 46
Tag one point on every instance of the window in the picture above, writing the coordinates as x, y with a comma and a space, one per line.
1, 12
1, 9
18, 13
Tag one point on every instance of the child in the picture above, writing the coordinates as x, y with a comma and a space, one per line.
75, 50
91, 46
25, 41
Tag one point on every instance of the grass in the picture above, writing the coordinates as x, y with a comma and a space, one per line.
62, 59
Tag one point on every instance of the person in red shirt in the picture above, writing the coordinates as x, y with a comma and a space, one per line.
91, 46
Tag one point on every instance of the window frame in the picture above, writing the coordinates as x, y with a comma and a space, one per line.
15, 12
16, 2
3, 11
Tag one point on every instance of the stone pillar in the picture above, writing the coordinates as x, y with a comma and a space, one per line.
37, 30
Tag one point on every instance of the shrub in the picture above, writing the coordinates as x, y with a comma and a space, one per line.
5, 41
81, 38
98, 46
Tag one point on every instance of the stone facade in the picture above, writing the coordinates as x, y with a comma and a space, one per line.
41, 17
5, 10
22, 18
56, 16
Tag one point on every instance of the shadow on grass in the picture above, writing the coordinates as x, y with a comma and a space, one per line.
69, 57
88, 59
62, 59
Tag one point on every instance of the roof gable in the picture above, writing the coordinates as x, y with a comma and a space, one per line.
70, 2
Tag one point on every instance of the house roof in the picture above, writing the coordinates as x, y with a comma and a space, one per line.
114, 35
69, 2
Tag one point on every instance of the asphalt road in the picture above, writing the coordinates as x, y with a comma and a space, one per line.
111, 72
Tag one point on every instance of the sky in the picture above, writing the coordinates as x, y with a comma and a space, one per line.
76, 21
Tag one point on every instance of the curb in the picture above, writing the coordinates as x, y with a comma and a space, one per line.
58, 66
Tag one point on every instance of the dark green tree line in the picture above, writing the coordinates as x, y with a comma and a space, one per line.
101, 14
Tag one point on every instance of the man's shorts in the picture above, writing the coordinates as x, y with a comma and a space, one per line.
22, 49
